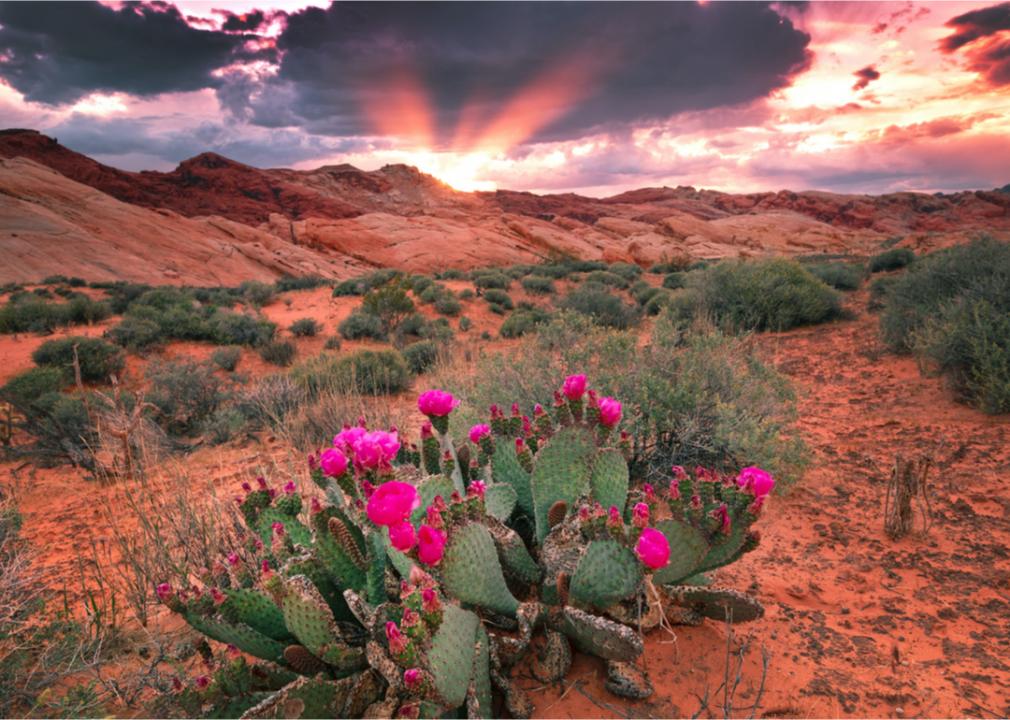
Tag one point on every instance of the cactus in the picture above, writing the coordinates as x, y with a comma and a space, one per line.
472, 573
607, 573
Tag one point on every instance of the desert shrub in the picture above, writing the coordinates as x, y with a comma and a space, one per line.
522, 321
97, 358
413, 325
466, 294
22, 389
361, 285
135, 334
305, 327
420, 283
659, 301
893, 259
491, 280
368, 372
465, 324
448, 305
839, 275
878, 291
605, 309
31, 314
691, 398
256, 293
772, 294
670, 266
359, 325
429, 295
288, 283
643, 292
270, 399
557, 271
225, 423
389, 303
186, 394
485, 335
420, 356
230, 328
607, 278
54, 280
227, 358
952, 309
674, 280
438, 330
451, 274
332, 343
629, 271
495, 296
278, 352
538, 285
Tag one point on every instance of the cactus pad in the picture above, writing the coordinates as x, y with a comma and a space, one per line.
561, 471
607, 573
727, 548
451, 654
238, 634
500, 500
480, 701
334, 552
428, 490
718, 603
596, 635
310, 619
472, 573
609, 481
515, 558
687, 549
505, 468
245, 605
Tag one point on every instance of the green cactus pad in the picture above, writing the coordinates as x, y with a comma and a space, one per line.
332, 554
375, 576
725, 548
451, 654
324, 581
515, 558
607, 573
258, 611
237, 706
428, 490
505, 468
596, 635
687, 549
299, 534
719, 604
500, 500
309, 617
561, 471
609, 481
481, 683
241, 636
307, 698
472, 573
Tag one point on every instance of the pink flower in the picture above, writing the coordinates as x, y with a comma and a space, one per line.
610, 411
233, 652
412, 678
429, 601
430, 545
538, 410
397, 640
247, 487
614, 518
653, 549
202, 682
217, 596
574, 387
401, 536
289, 487
410, 618
278, 528
333, 462
679, 472
721, 514
434, 516
392, 503
650, 492
426, 430
164, 592
262, 482
755, 480
479, 432
640, 515
315, 507
436, 403
233, 559
345, 439
675, 489
477, 488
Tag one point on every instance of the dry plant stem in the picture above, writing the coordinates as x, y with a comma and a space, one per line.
908, 485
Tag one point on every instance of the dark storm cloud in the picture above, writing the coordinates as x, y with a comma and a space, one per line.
865, 76
983, 37
59, 52
246, 22
633, 61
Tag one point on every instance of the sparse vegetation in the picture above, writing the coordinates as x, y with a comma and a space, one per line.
523, 321
31, 314
278, 352
360, 325
227, 358
893, 259
674, 280
97, 359
305, 327
186, 394
447, 304
499, 298
389, 303
493, 279
538, 285
605, 309
420, 356
839, 275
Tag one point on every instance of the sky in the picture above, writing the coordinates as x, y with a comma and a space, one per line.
595, 98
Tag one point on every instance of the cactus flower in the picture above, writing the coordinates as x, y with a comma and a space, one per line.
436, 403
479, 432
375, 449
410, 618
233, 559
574, 387
278, 529
640, 515
217, 596
429, 601
696, 502
315, 507
653, 549
345, 439
164, 592
430, 545
262, 482
202, 682
232, 652
476, 488
392, 503
412, 678
427, 430
397, 640
675, 489
755, 480
538, 410
401, 536
333, 462
679, 472
614, 518
649, 491
247, 487
610, 411
176, 685
434, 516
721, 514
289, 487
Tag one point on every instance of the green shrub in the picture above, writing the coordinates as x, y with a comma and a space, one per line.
359, 325
389, 303
256, 293
465, 324
61, 429
429, 295
278, 352
952, 309
495, 296
607, 278
361, 285
230, 328
522, 321
420, 356
135, 334
674, 280
227, 358
451, 274
97, 358
367, 372
538, 285
448, 305
605, 309
438, 330
672, 266
332, 343
31, 314
659, 301
26, 387
492, 280
485, 335
288, 283
466, 294
54, 280
772, 294
629, 271
305, 327
420, 283
839, 275
698, 398
186, 394
893, 259
412, 325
